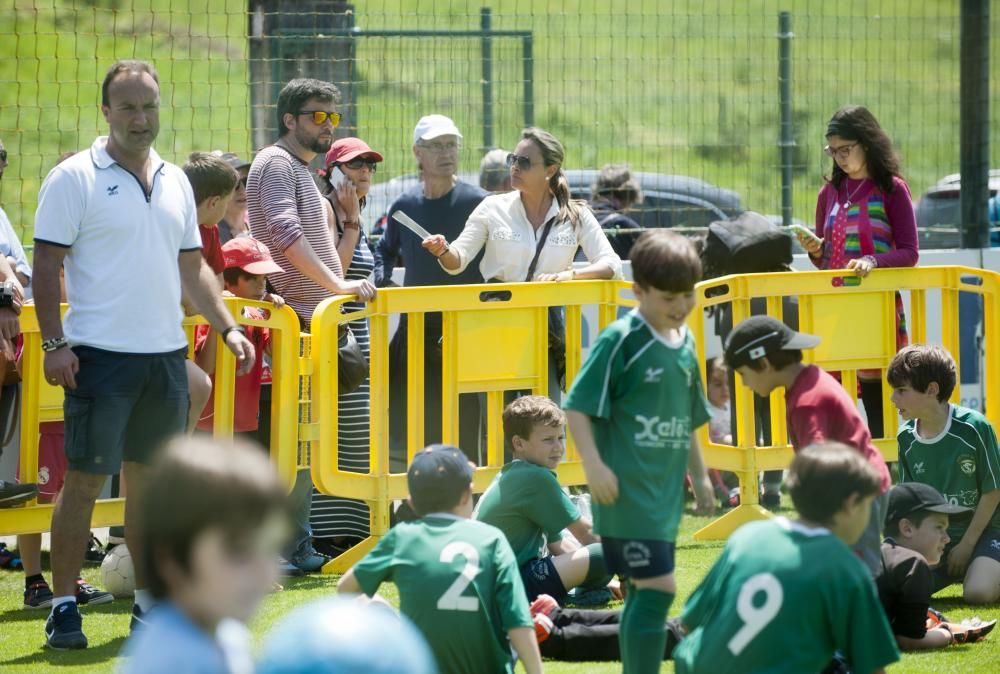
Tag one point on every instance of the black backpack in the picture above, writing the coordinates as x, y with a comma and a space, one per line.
747, 244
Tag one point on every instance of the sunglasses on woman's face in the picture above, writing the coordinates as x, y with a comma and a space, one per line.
360, 162
522, 162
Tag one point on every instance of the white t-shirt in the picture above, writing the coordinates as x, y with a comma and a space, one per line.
122, 275
10, 245
500, 224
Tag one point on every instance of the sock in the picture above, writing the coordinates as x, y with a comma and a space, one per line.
597, 570
144, 600
28, 580
59, 601
623, 632
646, 639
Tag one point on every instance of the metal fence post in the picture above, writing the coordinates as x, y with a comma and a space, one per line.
787, 139
528, 58
975, 122
485, 21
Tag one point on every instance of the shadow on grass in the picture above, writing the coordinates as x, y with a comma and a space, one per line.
311, 582
119, 607
94, 655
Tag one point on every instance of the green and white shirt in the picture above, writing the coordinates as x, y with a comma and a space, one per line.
962, 462
784, 597
459, 584
645, 398
526, 503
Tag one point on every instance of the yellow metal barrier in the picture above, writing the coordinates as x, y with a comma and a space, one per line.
488, 347
857, 324
41, 402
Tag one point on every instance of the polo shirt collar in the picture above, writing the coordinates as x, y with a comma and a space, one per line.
102, 160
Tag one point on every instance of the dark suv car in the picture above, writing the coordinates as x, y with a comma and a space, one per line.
938, 211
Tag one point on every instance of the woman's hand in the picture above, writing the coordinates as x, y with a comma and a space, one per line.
862, 266
436, 245
364, 289
810, 243
347, 197
557, 278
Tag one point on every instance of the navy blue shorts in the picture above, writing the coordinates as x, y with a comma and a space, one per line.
124, 407
540, 577
988, 546
638, 558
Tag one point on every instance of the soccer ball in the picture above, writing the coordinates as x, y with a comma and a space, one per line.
118, 573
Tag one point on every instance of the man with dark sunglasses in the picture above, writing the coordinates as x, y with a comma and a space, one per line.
442, 203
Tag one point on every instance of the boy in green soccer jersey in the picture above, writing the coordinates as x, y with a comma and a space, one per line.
953, 449
526, 502
457, 578
786, 596
632, 411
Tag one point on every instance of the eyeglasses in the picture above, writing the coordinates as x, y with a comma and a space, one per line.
441, 147
359, 162
842, 152
319, 117
243, 181
3, 155
523, 163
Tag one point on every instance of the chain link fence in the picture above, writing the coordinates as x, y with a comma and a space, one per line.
685, 87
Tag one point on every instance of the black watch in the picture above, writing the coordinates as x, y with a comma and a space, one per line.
237, 328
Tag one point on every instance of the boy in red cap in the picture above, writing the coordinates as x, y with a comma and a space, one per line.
248, 262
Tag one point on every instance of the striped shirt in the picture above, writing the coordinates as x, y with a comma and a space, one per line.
962, 462
284, 205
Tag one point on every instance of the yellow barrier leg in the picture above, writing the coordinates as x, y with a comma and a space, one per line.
749, 510
343, 562
379, 522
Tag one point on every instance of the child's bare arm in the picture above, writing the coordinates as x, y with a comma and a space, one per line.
699, 478
583, 531
205, 357
349, 584
526, 644
960, 555
603, 483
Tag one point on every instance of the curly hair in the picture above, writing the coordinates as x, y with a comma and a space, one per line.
857, 123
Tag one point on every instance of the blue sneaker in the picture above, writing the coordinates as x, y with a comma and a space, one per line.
309, 560
138, 619
64, 628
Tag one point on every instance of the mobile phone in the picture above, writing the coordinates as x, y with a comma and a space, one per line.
337, 177
799, 230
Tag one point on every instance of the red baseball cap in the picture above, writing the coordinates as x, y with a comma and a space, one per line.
250, 255
346, 149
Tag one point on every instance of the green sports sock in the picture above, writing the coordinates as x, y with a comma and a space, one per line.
623, 632
642, 636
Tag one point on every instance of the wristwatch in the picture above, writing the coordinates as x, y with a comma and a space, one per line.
54, 344
351, 224
231, 328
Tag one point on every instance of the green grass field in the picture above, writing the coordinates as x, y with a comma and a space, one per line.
686, 87
21, 635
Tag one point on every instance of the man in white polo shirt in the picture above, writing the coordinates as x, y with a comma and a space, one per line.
123, 222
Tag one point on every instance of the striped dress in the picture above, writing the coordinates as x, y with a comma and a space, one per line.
333, 516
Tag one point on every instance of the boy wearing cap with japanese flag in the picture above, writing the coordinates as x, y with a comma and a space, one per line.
767, 354
248, 262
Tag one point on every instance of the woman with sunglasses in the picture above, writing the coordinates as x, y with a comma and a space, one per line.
533, 232
339, 523
864, 220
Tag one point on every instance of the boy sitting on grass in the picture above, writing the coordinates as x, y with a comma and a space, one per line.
916, 535
632, 411
767, 354
953, 449
457, 579
214, 519
527, 503
786, 596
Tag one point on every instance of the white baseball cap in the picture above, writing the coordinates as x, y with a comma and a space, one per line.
432, 126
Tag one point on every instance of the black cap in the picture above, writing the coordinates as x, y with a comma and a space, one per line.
758, 336
437, 471
910, 497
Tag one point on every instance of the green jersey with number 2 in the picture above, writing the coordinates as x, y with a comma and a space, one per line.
459, 584
644, 398
784, 598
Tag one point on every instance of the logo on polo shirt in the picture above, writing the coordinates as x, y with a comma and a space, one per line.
918, 468
653, 374
995, 544
656, 432
113, 191
967, 464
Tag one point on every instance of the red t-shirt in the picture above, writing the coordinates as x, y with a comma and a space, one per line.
247, 401
818, 409
211, 248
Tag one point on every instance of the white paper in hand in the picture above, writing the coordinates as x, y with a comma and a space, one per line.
411, 224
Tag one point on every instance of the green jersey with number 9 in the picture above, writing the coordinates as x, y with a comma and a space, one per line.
784, 598
459, 584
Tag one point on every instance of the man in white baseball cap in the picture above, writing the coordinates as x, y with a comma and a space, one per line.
431, 126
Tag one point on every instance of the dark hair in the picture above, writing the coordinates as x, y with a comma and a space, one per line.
920, 364
522, 416
197, 485
916, 518
666, 261
712, 364
779, 360
231, 275
615, 181
440, 501
126, 66
822, 477
210, 176
857, 123
295, 94
553, 154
